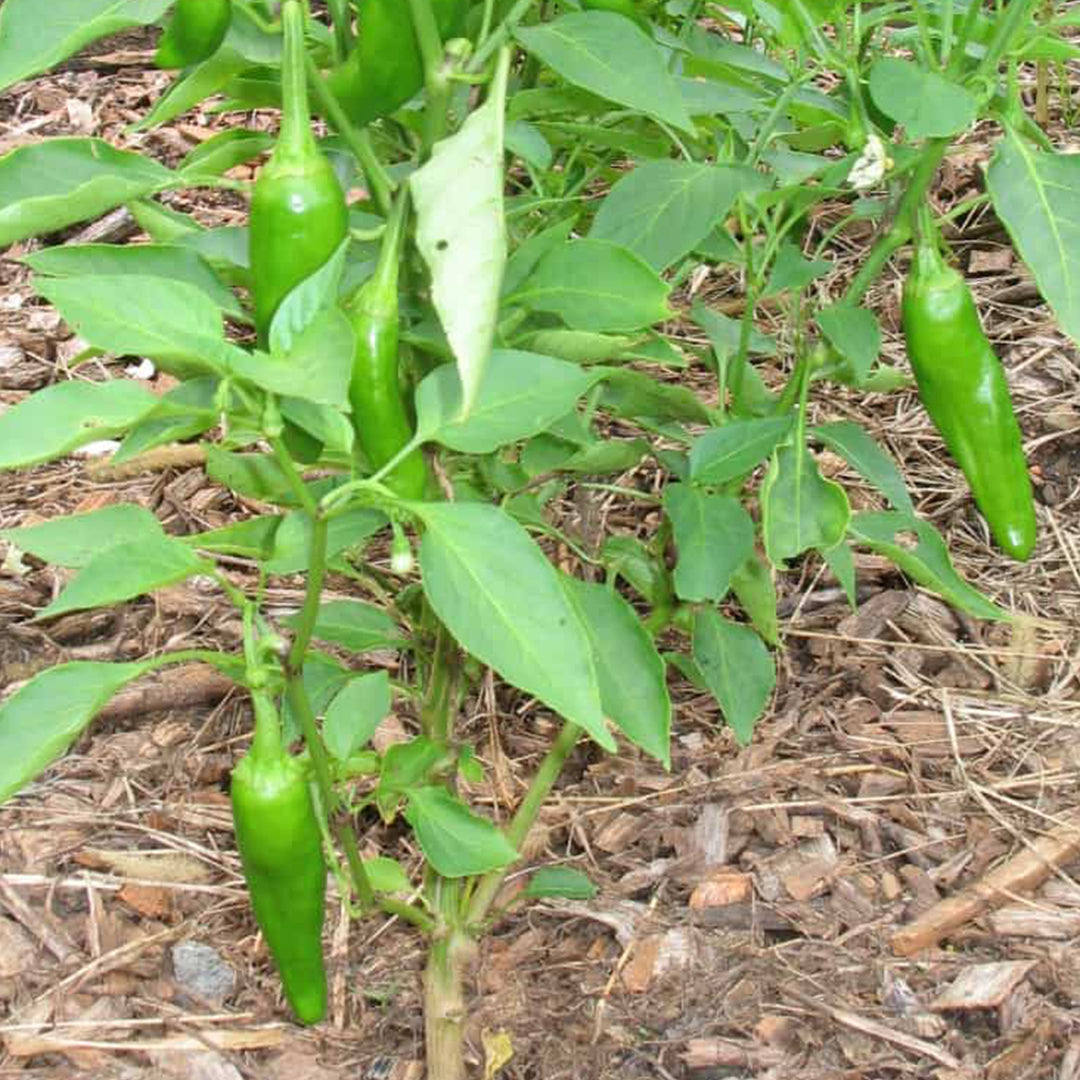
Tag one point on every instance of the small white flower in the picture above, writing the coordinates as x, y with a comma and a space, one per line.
871, 166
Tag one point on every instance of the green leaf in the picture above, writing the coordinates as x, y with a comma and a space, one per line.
77, 539
841, 561
855, 335
127, 570
860, 451
520, 394
729, 452
318, 367
1037, 196
250, 539
358, 708
311, 302
637, 396
596, 285
725, 333
714, 536
792, 272
33, 39
187, 410
43, 718
561, 881
386, 876
52, 422
918, 549
172, 261
461, 233
501, 598
292, 541
224, 151
607, 54
354, 625
633, 688
737, 667
529, 252
253, 476
755, 589
171, 322
49, 185
800, 509
926, 103
628, 557
454, 840
192, 86
662, 209
582, 346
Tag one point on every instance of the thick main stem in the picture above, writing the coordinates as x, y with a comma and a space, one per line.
444, 1006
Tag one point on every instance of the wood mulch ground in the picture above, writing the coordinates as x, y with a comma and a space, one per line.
883, 884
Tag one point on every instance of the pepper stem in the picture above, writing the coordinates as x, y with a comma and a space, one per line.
295, 138
266, 744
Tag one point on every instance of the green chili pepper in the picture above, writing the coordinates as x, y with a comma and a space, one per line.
382, 425
962, 385
280, 845
298, 212
194, 33
385, 69
627, 8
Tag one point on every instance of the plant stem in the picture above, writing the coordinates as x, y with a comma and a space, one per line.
444, 1004
900, 232
523, 820
358, 141
440, 701
500, 37
339, 15
436, 82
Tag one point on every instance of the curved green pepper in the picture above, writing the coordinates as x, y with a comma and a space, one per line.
196, 30
962, 385
280, 845
298, 212
382, 425
385, 69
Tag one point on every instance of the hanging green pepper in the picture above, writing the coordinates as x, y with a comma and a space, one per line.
962, 385
298, 212
385, 69
280, 845
380, 420
194, 33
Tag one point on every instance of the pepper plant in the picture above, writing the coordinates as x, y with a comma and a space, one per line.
480, 333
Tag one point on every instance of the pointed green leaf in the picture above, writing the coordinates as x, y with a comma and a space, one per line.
918, 549
500, 597
800, 509
737, 667
42, 719
461, 234
633, 688
54, 421
454, 840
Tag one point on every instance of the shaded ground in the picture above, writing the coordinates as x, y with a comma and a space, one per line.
749, 899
